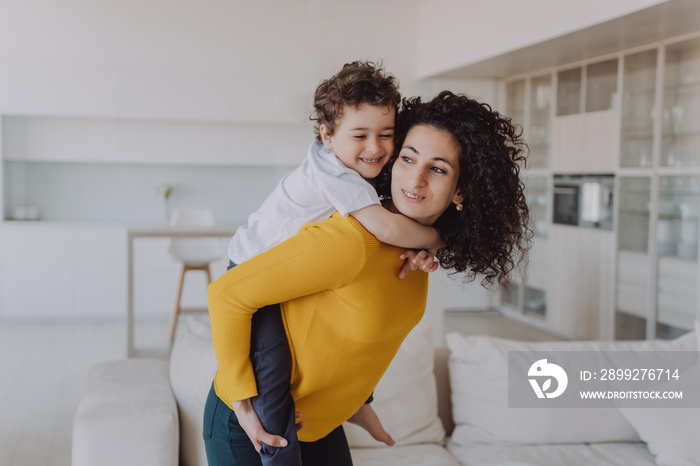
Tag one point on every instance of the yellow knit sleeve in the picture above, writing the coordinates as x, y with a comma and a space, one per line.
322, 256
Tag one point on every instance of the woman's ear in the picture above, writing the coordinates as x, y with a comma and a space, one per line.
326, 136
458, 198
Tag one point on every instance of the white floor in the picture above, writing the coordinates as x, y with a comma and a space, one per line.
42, 370
43, 367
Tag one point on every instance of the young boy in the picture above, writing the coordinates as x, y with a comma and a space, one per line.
354, 112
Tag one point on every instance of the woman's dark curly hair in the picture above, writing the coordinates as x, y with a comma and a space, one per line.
492, 234
357, 83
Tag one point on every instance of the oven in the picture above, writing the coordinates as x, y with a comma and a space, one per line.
584, 200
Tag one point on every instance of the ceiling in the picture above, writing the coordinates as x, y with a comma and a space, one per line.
670, 19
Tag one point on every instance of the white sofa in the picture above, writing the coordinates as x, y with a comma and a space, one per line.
488, 432
129, 415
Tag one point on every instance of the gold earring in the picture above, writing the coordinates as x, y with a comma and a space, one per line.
459, 207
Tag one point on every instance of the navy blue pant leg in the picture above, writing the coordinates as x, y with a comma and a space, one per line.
272, 365
274, 405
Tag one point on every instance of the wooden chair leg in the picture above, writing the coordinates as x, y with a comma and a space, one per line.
177, 309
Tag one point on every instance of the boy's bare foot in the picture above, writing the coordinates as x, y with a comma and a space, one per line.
367, 418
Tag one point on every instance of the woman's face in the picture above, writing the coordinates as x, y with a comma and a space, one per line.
424, 177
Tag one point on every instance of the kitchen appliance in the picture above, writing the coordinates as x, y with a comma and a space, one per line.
584, 200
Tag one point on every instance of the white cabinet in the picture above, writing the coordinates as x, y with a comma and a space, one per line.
657, 246
62, 271
585, 132
37, 271
98, 271
586, 142
676, 295
635, 114
659, 193
580, 271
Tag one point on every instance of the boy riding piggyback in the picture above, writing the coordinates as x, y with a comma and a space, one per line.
354, 112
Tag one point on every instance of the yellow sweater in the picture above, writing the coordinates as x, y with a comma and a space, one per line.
344, 309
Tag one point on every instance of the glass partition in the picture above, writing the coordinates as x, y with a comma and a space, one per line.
677, 246
540, 121
680, 144
515, 101
531, 297
569, 92
538, 195
633, 260
601, 86
638, 94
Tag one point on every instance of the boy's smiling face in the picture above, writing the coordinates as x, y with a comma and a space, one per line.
363, 139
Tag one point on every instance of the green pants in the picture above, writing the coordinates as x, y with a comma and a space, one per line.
228, 445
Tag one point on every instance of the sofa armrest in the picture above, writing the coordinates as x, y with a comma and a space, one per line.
127, 415
444, 393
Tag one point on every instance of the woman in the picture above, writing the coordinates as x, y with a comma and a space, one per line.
345, 309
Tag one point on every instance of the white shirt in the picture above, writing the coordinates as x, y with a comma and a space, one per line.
310, 193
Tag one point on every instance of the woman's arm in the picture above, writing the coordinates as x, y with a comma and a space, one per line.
397, 229
321, 256
250, 422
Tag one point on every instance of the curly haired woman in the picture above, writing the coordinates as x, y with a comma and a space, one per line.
489, 234
344, 307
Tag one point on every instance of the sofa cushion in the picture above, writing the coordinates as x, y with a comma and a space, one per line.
192, 368
598, 454
406, 397
479, 380
670, 433
414, 455
127, 415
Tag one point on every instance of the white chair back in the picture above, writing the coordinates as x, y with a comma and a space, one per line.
195, 251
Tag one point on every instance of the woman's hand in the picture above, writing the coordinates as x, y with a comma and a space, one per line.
367, 418
250, 422
415, 260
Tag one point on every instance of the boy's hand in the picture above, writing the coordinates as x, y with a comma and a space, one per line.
422, 259
250, 422
366, 418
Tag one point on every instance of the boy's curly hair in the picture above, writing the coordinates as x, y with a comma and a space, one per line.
359, 82
492, 234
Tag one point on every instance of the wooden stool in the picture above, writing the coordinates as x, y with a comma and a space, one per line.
193, 253
178, 309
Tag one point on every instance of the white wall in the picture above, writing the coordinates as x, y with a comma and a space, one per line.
207, 60
454, 33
